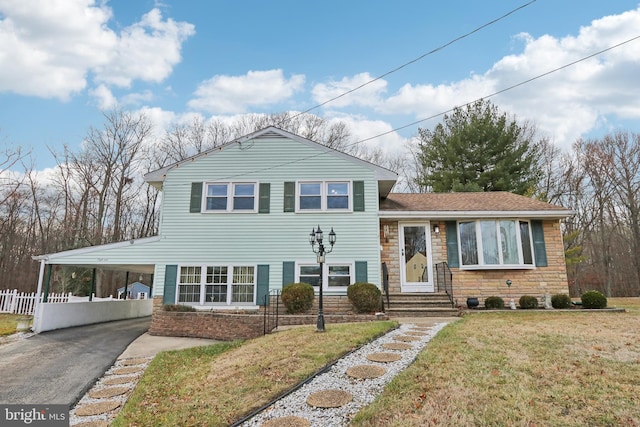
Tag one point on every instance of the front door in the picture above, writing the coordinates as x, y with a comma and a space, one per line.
415, 257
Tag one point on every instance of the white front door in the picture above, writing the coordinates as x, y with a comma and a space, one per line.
415, 257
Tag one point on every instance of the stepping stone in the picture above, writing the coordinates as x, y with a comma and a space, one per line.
290, 421
127, 370
106, 393
365, 371
396, 346
406, 338
416, 333
97, 408
97, 423
118, 380
384, 357
329, 398
130, 362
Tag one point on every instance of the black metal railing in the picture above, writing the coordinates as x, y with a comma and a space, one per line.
444, 280
385, 284
271, 310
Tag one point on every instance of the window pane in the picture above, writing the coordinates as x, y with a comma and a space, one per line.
307, 202
189, 293
310, 274
216, 293
468, 243
242, 293
244, 189
190, 274
489, 242
216, 203
217, 190
243, 203
312, 189
337, 202
338, 189
339, 275
525, 238
243, 275
509, 242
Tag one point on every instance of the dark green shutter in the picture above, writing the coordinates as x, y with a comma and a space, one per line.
196, 197
170, 279
288, 272
358, 196
539, 248
452, 244
264, 200
289, 196
361, 271
262, 280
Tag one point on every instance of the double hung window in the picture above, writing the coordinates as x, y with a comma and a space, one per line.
495, 243
324, 196
217, 285
230, 197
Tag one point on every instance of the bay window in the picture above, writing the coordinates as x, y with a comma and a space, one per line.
495, 243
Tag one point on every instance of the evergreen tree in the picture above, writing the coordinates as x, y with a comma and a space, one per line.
478, 148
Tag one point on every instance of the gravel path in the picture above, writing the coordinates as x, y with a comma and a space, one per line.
363, 391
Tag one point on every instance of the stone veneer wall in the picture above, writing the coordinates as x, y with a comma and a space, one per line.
231, 326
483, 283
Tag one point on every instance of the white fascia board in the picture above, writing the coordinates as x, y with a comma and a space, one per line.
89, 249
475, 214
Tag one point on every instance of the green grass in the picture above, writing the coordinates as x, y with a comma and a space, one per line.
8, 323
219, 384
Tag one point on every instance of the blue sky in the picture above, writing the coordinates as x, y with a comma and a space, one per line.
62, 62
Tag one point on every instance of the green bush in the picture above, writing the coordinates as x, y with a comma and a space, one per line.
492, 303
365, 297
297, 297
528, 302
178, 307
593, 299
560, 301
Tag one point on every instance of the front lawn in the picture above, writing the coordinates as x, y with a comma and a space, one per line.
8, 323
219, 384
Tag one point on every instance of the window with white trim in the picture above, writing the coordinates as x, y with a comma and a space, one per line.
324, 196
495, 243
230, 197
217, 285
335, 275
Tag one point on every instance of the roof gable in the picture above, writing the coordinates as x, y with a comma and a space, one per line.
385, 177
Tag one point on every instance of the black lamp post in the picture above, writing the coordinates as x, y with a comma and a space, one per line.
316, 238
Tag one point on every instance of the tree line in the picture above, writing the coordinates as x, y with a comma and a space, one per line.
96, 194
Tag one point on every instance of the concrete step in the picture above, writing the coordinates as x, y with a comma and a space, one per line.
421, 312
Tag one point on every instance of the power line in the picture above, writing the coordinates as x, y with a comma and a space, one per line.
406, 64
539, 76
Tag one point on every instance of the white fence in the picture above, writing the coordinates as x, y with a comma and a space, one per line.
12, 301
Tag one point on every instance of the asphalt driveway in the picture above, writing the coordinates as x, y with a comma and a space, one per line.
58, 367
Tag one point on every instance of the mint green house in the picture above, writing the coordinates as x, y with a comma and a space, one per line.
235, 223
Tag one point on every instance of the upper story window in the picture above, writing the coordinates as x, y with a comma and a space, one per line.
231, 197
496, 243
324, 196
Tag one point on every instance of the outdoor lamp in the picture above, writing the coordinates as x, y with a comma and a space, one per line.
316, 237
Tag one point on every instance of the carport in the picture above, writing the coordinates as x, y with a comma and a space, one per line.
131, 257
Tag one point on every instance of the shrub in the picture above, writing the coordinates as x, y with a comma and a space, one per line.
593, 299
178, 307
365, 297
492, 303
297, 297
560, 301
528, 302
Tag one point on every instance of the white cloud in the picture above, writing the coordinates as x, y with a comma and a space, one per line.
48, 48
367, 96
104, 97
236, 94
564, 105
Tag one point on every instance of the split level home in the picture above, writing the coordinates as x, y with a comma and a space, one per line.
235, 224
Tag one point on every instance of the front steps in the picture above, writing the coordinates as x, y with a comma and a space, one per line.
419, 305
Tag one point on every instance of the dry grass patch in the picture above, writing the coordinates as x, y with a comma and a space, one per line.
8, 323
520, 369
219, 384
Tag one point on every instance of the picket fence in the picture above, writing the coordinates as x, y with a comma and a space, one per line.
12, 301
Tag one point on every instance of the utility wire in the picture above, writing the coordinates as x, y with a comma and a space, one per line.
406, 64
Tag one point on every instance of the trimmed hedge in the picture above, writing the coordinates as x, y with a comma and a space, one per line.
178, 307
492, 303
594, 299
365, 297
297, 297
560, 301
528, 302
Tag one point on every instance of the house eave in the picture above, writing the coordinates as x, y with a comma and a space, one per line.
443, 215
49, 258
